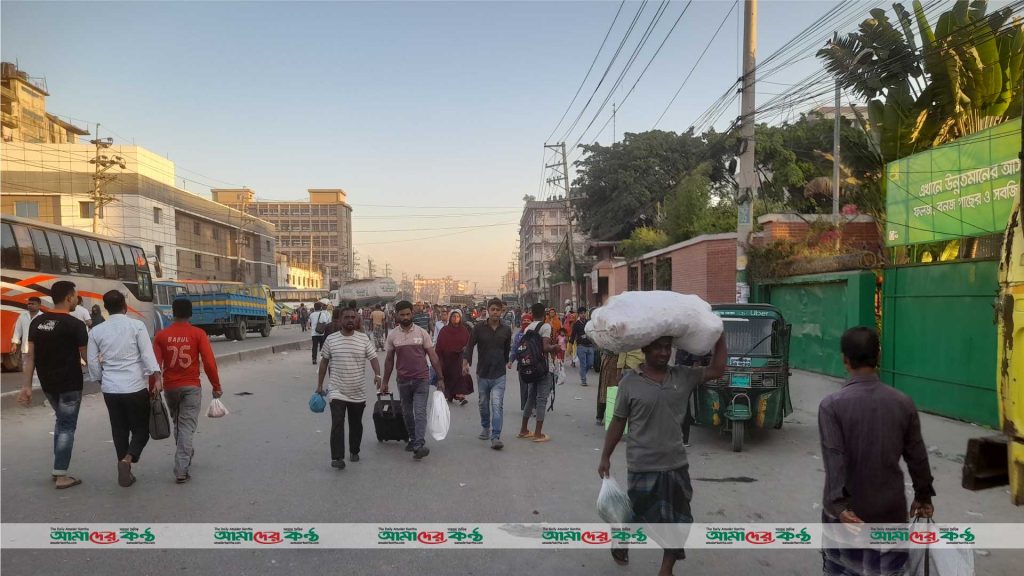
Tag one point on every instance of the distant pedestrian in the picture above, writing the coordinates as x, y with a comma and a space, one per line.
335, 324
344, 356
303, 316
651, 401
421, 318
19, 338
179, 350
539, 388
408, 347
524, 388
121, 359
96, 315
81, 313
56, 349
377, 318
493, 342
584, 346
452, 341
318, 323
866, 427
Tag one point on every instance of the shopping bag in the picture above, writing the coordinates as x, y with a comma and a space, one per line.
159, 421
613, 503
217, 409
561, 376
928, 561
317, 402
439, 418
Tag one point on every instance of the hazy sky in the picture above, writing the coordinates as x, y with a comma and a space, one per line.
431, 115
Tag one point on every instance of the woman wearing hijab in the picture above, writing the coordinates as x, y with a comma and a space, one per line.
451, 342
96, 315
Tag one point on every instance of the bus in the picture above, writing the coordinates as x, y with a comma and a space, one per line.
166, 291
36, 254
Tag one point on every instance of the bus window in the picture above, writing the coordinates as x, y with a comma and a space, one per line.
128, 272
10, 249
69, 247
118, 261
25, 250
56, 252
84, 257
145, 287
109, 263
97, 258
42, 249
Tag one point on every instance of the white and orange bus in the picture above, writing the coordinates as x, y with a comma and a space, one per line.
36, 254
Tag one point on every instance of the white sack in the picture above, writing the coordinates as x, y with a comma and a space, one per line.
439, 417
633, 320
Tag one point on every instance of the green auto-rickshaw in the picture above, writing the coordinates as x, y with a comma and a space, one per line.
755, 387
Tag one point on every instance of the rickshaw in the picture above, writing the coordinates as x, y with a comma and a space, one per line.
755, 387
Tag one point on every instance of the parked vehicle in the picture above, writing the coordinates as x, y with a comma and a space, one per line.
755, 387
229, 308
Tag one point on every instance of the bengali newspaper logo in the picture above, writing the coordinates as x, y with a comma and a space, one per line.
464, 535
63, 535
396, 535
229, 535
431, 537
134, 535
716, 535
924, 536
626, 535
299, 536
792, 536
955, 535
888, 535
75, 535
559, 535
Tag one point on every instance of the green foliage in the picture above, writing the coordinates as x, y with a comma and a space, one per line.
560, 266
643, 240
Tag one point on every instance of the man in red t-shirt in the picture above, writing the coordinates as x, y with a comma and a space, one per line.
178, 350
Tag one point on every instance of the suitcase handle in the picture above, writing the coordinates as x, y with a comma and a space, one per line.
391, 394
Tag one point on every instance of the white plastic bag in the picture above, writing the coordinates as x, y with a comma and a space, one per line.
217, 409
928, 561
439, 418
560, 376
633, 320
613, 503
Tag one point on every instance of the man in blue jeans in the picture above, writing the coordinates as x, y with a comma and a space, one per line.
584, 346
56, 349
493, 341
408, 347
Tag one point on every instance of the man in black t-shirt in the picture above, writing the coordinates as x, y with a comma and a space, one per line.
56, 349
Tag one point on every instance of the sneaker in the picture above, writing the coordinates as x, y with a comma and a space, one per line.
408, 446
354, 458
497, 444
421, 453
484, 435
338, 463
182, 479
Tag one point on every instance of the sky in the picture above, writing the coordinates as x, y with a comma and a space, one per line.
432, 116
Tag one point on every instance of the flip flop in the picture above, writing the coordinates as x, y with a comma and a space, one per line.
527, 435
542, 438
74, 482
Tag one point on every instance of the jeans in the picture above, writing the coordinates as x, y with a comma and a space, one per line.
586, 356
414, 395
339, 408
184, 404
537, 397
492, 401
65, 408
129, 422
318, 341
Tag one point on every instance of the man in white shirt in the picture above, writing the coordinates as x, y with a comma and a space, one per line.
320, 315
19, 340
121, 359
345, 354
82, 314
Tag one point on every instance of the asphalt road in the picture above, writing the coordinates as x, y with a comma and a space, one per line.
268, 461
278, 335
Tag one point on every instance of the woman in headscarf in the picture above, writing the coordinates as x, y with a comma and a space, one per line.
451, 342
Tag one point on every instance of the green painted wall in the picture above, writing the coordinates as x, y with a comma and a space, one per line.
821, 307
939, 339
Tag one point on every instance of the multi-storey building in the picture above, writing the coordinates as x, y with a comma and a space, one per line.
316, 233
23, 113
437, 290
543, 226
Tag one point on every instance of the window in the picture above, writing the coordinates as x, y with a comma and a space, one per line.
109, 264
42, 249
128, 270
268, 270
196, 229
216, 263
268, 245
663, 280
69, 247
84, 257
177, 224
160, 254
157, 214
633, 278
199, 261
10, 248
86, 209
216, 233
26, 209
647, 276
97, 258
56, 252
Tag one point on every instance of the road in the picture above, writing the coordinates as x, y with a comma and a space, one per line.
268, 461
279, 335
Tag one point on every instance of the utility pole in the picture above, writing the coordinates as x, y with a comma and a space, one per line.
835, 155
245, 220
370, 271
613, 123
570, 237
748, 172
102, 163
387, 270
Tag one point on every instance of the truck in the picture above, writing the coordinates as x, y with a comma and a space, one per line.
229, 308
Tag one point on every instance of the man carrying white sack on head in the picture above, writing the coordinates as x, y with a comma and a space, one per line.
652, 401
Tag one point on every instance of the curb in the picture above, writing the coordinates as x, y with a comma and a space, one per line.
9, 400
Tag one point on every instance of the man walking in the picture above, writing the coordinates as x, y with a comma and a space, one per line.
56, 347
344, 354
652, 401
541, 384
19, 339
179, 348
493, 340
121, 358
408, 347
318, 323
866, 427
303, 316
377, 323
584, 346
421, 318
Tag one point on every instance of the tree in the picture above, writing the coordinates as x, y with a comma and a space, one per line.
643, 240
560, 266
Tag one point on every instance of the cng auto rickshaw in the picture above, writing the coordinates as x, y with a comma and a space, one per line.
755, 387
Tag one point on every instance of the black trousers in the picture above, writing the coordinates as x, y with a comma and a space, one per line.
339, 408
129, 422
318, 341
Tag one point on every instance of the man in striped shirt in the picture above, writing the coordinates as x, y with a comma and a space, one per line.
344, 355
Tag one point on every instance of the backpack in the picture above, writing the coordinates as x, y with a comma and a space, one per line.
533, 361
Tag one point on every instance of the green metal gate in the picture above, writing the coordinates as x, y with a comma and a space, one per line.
939, 339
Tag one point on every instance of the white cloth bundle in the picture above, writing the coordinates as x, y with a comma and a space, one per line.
633, 320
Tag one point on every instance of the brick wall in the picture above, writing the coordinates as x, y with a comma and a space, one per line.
705, 266
862, 232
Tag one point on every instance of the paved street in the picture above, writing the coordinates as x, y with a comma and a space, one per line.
279, 335
268, 461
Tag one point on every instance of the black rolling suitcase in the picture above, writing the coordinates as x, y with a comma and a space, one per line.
388, 420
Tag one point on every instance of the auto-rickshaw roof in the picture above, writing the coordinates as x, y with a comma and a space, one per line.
748, 310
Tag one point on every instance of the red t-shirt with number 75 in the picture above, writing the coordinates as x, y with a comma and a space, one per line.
178, 349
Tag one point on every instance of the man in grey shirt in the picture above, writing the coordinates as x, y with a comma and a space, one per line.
652, 400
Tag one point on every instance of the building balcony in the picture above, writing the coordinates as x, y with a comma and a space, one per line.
8, 120
8, 94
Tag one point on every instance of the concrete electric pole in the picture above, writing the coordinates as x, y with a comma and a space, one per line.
835, 154
748, 171
570, 237
102, 163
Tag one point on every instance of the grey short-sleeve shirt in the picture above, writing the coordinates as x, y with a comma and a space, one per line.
655, 414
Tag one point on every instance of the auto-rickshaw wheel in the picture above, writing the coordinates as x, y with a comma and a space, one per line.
737, 435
